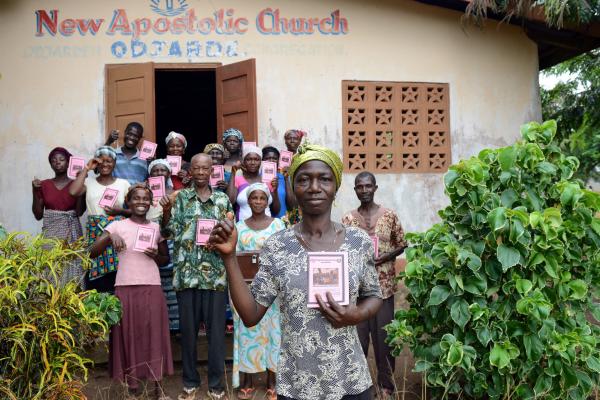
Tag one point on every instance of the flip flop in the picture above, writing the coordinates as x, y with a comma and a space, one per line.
246, 393
271, 394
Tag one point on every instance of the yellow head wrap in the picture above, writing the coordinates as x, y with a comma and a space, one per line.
309, 152
212, 146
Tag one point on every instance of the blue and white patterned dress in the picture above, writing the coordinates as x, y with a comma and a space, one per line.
256, 349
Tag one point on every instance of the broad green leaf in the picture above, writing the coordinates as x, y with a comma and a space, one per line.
460, 313
506, 157
523, 286
508, 197
484, 335
502, 353
475, 285
578, 289
422, 366
551, 266
533, 347
593, 363
438, 295
497, 218
508, 256
450, 177
543, 384
568, 376
455, 354
547, 168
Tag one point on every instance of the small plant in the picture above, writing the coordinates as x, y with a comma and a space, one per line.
44, 327
501, 288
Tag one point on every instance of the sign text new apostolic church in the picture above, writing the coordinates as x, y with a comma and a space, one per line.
176, 18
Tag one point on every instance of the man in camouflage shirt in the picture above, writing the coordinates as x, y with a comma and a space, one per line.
199, 277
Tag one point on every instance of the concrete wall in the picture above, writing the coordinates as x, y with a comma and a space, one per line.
52, 87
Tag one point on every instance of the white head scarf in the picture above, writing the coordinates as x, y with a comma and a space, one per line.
174, 135
252, 149
161, 161
258, 186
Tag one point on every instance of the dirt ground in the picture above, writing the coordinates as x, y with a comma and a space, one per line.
101, 387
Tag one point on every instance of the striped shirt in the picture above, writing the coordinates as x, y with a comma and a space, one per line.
132, 169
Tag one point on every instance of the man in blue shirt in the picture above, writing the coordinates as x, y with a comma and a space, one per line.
129, 165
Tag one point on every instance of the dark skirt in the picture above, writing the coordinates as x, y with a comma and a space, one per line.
140, 345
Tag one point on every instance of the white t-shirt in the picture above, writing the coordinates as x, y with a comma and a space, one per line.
94, 192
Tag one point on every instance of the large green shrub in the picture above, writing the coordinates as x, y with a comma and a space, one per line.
500, 289
44, 328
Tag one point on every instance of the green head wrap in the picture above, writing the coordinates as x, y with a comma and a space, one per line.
310, 152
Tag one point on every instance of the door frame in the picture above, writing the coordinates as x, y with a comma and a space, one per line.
156, 66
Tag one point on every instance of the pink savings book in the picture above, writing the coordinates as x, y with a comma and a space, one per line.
285, 158
144, 239
175, 163
109, 197
328, 272
217, 174
76, 164
147, 150
375, 240
203, 229
157, 185
269, 171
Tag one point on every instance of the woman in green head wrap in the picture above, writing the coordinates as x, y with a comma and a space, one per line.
311, 337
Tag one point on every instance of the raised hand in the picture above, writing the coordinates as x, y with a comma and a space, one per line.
223, 237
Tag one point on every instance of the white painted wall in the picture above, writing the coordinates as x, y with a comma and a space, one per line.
52, 88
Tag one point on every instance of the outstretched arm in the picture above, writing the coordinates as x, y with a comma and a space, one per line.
223, 239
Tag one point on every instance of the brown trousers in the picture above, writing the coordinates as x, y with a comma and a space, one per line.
386, 363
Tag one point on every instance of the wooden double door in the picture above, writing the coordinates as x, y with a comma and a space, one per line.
130, 96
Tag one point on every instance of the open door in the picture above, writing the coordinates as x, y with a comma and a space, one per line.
236, 99
130, 97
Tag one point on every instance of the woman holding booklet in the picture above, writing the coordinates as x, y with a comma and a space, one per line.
104, 198
176, 145
140, 345
256, 349
284, 188
251, 173
60, 211
320, 356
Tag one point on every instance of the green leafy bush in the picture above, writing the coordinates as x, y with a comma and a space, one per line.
500, 289
44, 328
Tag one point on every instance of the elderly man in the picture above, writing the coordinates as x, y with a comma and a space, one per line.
383, 225
199, 277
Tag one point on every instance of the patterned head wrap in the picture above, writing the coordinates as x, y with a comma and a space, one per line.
213, 146
135, 186
59, 150
106, 151
162, 161
252, 149
233, 132
174, 135
258, 186
296, 131
309, 152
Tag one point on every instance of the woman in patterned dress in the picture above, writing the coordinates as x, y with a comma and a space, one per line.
59, 210
256, 349
103, 272
321, 356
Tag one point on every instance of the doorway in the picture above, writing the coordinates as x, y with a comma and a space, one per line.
199, 101
185, 103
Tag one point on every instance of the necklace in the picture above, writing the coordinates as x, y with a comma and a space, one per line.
300, 236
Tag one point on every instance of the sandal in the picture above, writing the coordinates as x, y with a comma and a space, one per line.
188, 394
246, 393
271, 394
